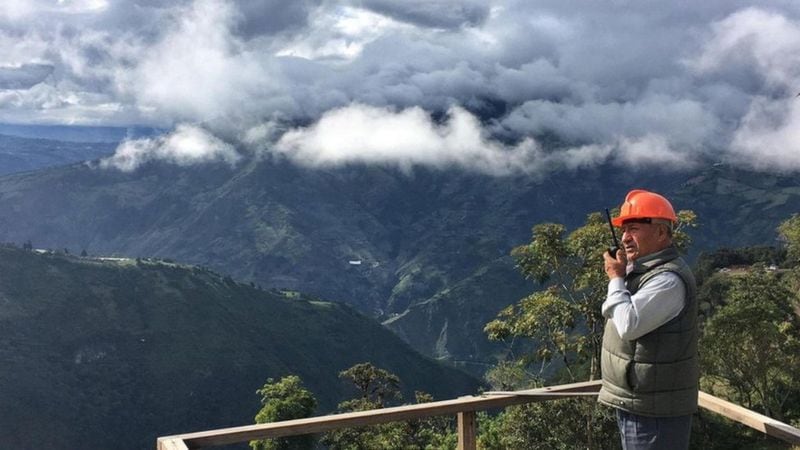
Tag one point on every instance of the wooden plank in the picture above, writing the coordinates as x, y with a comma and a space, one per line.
467, 431
171, 444
750, 418
363, 418
543, 395
584, 386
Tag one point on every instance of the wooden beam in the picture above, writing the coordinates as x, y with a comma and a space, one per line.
750, 418
467, 431
373, 417
171, 444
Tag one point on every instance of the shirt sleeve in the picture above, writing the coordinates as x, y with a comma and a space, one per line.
657, 302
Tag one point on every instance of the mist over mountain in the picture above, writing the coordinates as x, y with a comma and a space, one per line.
113, 353
425, 250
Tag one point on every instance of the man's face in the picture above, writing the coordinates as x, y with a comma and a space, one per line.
642, 239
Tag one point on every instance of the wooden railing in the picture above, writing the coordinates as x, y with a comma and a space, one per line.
465, 409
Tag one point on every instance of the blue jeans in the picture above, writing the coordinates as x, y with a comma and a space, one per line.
653, 433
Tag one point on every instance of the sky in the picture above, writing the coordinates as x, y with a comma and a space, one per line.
500, 87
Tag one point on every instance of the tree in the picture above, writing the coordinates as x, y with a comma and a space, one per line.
789, 232
375, 385
509, 375
757, 320
550, 425
375, 388
429, 433
285, 399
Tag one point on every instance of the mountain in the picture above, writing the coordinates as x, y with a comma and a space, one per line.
19, 154
111, 353
425, 250
79, 134
416, 234
738, 208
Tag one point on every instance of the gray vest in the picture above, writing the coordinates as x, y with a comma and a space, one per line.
656, 374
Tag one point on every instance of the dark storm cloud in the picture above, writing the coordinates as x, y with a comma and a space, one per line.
24, 76
432, 13
268, 17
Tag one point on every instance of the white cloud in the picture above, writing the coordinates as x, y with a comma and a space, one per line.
754, 39
409, 137
81, 6
186, 145
18, 52
685, 122
347, 31
17, 10
769, 137
653, 151
196, 71
765, 45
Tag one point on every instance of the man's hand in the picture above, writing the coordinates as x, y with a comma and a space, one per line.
615, 268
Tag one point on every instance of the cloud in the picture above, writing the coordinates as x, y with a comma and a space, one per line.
765, 47
346, 33
769, 137
269, 17
653, 151
366, 134
20, 10
194, 72
409, 137
706, 80
684, 121
433, 13
24, 76
185, 146
762, 44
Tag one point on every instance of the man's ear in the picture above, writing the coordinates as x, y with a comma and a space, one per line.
663, 233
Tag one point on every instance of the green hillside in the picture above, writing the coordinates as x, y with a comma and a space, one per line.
111, 354
433, 245
416, 235
455, 315
738, 208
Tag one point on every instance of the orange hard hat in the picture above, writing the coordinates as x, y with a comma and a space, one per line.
641, 204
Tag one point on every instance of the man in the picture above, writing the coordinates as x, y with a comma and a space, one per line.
649, 356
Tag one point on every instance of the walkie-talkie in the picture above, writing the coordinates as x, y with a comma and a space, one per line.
613, 249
